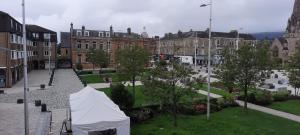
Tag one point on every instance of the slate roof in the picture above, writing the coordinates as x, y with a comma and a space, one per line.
204, 34
36, 28
282, 40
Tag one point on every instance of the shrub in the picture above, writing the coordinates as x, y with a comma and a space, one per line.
122, 97
263, 97
79, 66
281, 95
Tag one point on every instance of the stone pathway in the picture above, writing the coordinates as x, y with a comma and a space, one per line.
270, 111
211, 94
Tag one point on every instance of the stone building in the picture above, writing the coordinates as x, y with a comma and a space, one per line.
284, 47
196, 42
82, 40
11, 49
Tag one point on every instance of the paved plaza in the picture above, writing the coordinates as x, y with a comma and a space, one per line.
56, 97
35, 79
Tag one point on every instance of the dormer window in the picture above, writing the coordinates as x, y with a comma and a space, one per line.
101, 34
107, 34
86, 33
78, 33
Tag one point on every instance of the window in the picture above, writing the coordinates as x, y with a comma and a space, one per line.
11, 23
94, 45
79, 32
11, 38
100, 34
101, 45
46, 44
87, 46
14, 55
107, 34
66, 52
34, 43
79, 44
46, 53
35, 35
35, 53
86, 33
47, 36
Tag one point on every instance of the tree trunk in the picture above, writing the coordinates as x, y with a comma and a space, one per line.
246, 97
133, 87
174, 106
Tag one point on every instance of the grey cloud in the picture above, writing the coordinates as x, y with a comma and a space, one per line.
159, 16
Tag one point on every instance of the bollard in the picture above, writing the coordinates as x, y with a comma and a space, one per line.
37, 102
20, 101
44, 108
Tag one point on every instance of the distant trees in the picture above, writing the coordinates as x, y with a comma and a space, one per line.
97, 58
132, 61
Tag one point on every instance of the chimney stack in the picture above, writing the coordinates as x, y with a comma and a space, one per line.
111, 30
71, 29
82, 30
129, 31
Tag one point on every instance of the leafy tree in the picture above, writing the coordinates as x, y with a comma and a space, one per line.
246, 69
122, 97
98, 58
227, 71
263, 60
167, 84
294, 71
132, 61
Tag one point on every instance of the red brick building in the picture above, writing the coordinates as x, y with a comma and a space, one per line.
82, 40
11, 49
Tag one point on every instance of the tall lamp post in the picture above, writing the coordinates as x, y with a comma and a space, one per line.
238, 38
25, 72
209, 58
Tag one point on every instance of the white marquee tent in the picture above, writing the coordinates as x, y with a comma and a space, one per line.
92, 110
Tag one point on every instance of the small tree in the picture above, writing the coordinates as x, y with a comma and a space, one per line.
294, 72
98, 58
122, 97
227, 71
132, 62
167, 84
91, 57
246, 69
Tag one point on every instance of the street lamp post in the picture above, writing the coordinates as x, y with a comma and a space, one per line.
25, 72
195, 53
49, 52
238, 39
209, 58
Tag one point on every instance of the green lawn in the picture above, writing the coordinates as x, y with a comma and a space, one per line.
290, 106
96, 78
142, 100
213, 90
230, 121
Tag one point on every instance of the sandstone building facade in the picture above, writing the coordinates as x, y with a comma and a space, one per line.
284, 47
191, 42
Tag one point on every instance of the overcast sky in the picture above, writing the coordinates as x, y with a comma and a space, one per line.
158, 16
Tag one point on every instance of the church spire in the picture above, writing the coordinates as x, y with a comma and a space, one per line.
294, 20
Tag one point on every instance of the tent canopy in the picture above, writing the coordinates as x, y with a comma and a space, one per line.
92, 110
